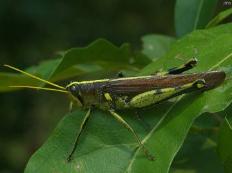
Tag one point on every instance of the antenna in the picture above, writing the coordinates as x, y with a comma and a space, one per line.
34, 77
38, 88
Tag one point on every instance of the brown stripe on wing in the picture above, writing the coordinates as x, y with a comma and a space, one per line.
138, 85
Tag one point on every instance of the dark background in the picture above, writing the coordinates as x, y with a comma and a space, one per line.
35, 30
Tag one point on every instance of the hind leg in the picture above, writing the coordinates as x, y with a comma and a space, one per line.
182, 68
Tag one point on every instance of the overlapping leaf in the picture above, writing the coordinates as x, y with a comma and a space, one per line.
219, 18
193, 14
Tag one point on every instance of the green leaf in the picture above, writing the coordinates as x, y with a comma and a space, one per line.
195, 157
219, 18
199, 146
105, 146
100, 55
104, 54
156, 46
192, 14
103, 141
225, 143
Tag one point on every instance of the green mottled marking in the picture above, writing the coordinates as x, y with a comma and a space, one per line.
158, 91
151, 97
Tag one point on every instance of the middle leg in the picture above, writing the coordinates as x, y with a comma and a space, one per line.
125, 124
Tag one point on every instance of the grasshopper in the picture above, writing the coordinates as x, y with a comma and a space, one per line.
131, 92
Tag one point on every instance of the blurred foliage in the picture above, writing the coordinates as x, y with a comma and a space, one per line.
219, 18
193, 14
32, 31
156, 46
225, 142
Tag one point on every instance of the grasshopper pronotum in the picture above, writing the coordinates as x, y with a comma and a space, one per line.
131, 92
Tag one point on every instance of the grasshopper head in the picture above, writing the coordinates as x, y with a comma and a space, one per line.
75, 93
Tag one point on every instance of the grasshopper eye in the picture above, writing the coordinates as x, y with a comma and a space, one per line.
75, 91
72, 88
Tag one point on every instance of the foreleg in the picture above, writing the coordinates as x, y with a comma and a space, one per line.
83, 124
